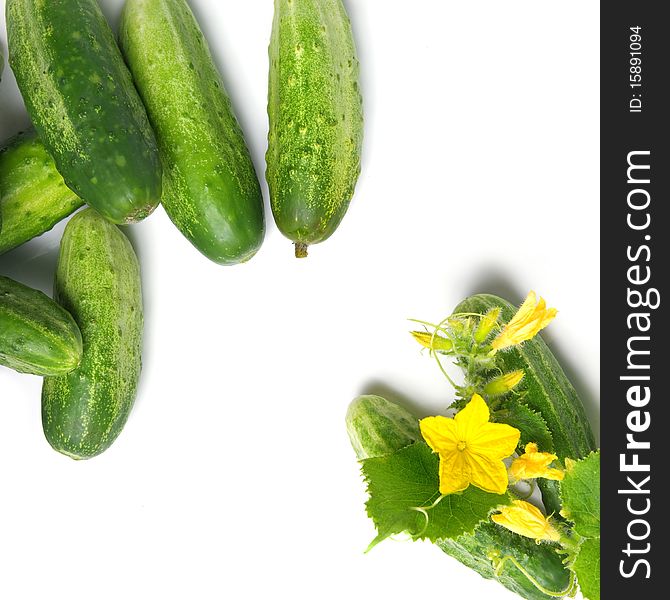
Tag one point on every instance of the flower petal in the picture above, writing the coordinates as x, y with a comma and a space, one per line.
455, 475
526, 309
439, 433
472, 418
495, 440
487, 474
527, 520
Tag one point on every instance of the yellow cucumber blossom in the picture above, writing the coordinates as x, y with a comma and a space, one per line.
503, 384
471, 448
486, 325
432, 342
533, 464
527, 520
530, 319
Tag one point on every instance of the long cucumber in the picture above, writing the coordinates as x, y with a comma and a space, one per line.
211, 190
316, 119
98, 282
84, 105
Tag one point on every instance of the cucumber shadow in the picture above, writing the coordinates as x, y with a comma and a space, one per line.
33, 264
494, 281
375, 387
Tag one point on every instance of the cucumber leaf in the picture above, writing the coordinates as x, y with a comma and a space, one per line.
587, 569
532, 425
405, 497
580, 493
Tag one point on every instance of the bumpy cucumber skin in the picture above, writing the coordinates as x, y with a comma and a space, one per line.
33, 195
316, 119
547, 390
211, 190
490, 540
37, 336
378, 426
98, 281
84, 106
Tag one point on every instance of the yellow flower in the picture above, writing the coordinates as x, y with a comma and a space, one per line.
471, 449
433, 342
503, 384
534, 464
527, 520
486, 324
530, 319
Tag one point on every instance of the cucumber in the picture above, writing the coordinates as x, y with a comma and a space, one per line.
37, 336
84, 106
33, 195
490, 540
545, 386
316, 119
211, 190
98, 281
377, 427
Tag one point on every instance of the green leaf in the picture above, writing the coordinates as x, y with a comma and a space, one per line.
580, 493
405, 497
532, 426
587, 569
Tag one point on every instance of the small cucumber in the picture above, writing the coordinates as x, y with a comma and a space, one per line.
377, 427
33, 195
316, 119
84, 106
545, 386
98, 281
37, 336
211, 191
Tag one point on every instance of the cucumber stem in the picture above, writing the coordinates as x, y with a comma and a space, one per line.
300, 250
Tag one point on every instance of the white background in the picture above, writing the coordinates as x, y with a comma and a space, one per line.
234, 476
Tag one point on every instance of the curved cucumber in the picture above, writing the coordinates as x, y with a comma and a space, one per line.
377, 427
84, 106
316, 119
547, 390
211, 190
37, 336
98, 281
33, 195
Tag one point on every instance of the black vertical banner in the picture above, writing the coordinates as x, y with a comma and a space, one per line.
635, 346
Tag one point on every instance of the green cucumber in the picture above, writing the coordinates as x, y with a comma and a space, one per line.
545, 387
98, 281
33, 195
377, 427
84, 105
37, 336
316, 119
211, 190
